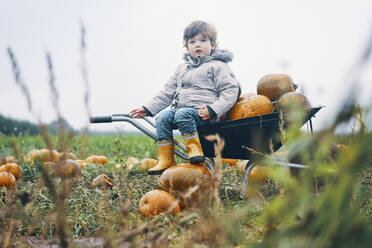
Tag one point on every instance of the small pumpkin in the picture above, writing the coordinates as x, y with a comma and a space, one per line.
96, 159
259, 173
131, 162
67, 168
293, 100
7, 159
13, 168
251, 105
158, 201
148, 163
192, 185
275, 85
7, 180
102, 181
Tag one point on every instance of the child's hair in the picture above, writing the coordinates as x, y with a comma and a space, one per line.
197, 27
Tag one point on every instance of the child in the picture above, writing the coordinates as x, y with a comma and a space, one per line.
199, 92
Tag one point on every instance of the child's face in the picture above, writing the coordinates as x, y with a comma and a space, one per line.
199, 45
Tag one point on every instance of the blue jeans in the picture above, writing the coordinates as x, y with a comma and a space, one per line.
184, 119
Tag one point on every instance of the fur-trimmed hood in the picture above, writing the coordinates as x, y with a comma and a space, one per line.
218, 54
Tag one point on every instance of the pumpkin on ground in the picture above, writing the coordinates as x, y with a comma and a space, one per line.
131, 162
148, 163
156, 202
13, 168
192, 185
67, 168
102, 181
96, 159
7, 180
275, 85
7, 159
259, 173
43, 155
251, 105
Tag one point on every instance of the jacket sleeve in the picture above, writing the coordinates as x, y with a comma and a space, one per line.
165, 97
228, 89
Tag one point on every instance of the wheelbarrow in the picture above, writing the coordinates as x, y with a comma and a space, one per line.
259, 133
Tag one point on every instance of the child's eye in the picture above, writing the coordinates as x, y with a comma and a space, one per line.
203, 40
191, 41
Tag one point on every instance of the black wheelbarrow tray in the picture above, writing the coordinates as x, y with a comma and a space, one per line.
259, 133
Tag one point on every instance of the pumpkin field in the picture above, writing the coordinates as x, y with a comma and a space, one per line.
328, 205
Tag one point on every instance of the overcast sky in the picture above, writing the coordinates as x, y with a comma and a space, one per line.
133, 46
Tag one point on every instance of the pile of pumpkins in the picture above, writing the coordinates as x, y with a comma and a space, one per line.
65, 164
179, 187
274, 92
10, 171
187, 186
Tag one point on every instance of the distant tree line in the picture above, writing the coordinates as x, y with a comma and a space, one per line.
10, 126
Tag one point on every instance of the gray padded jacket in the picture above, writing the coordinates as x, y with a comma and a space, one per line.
207, 80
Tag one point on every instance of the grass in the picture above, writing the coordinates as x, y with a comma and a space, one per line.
284, 212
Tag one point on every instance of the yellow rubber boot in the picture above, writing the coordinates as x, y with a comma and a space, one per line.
166, 157
193, 147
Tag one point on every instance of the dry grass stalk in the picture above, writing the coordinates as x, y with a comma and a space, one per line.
254, 151
19, 80
283, 136
83, 66
218, 147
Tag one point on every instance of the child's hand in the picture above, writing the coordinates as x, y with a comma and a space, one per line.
138, 113
204, 113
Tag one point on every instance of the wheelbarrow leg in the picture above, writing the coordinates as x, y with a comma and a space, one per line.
248, 168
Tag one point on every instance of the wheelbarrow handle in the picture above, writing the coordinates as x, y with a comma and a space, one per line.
100, 119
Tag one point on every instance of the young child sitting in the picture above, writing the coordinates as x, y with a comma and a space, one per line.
199, 92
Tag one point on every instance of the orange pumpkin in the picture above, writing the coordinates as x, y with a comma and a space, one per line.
251, 105
13, 168
259, 173
275, 85
43, 155
7, 159
102, 181
156, 202
293, 100
148, 163
96, 159
7, 180
67, 168
192, 185
230, 161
